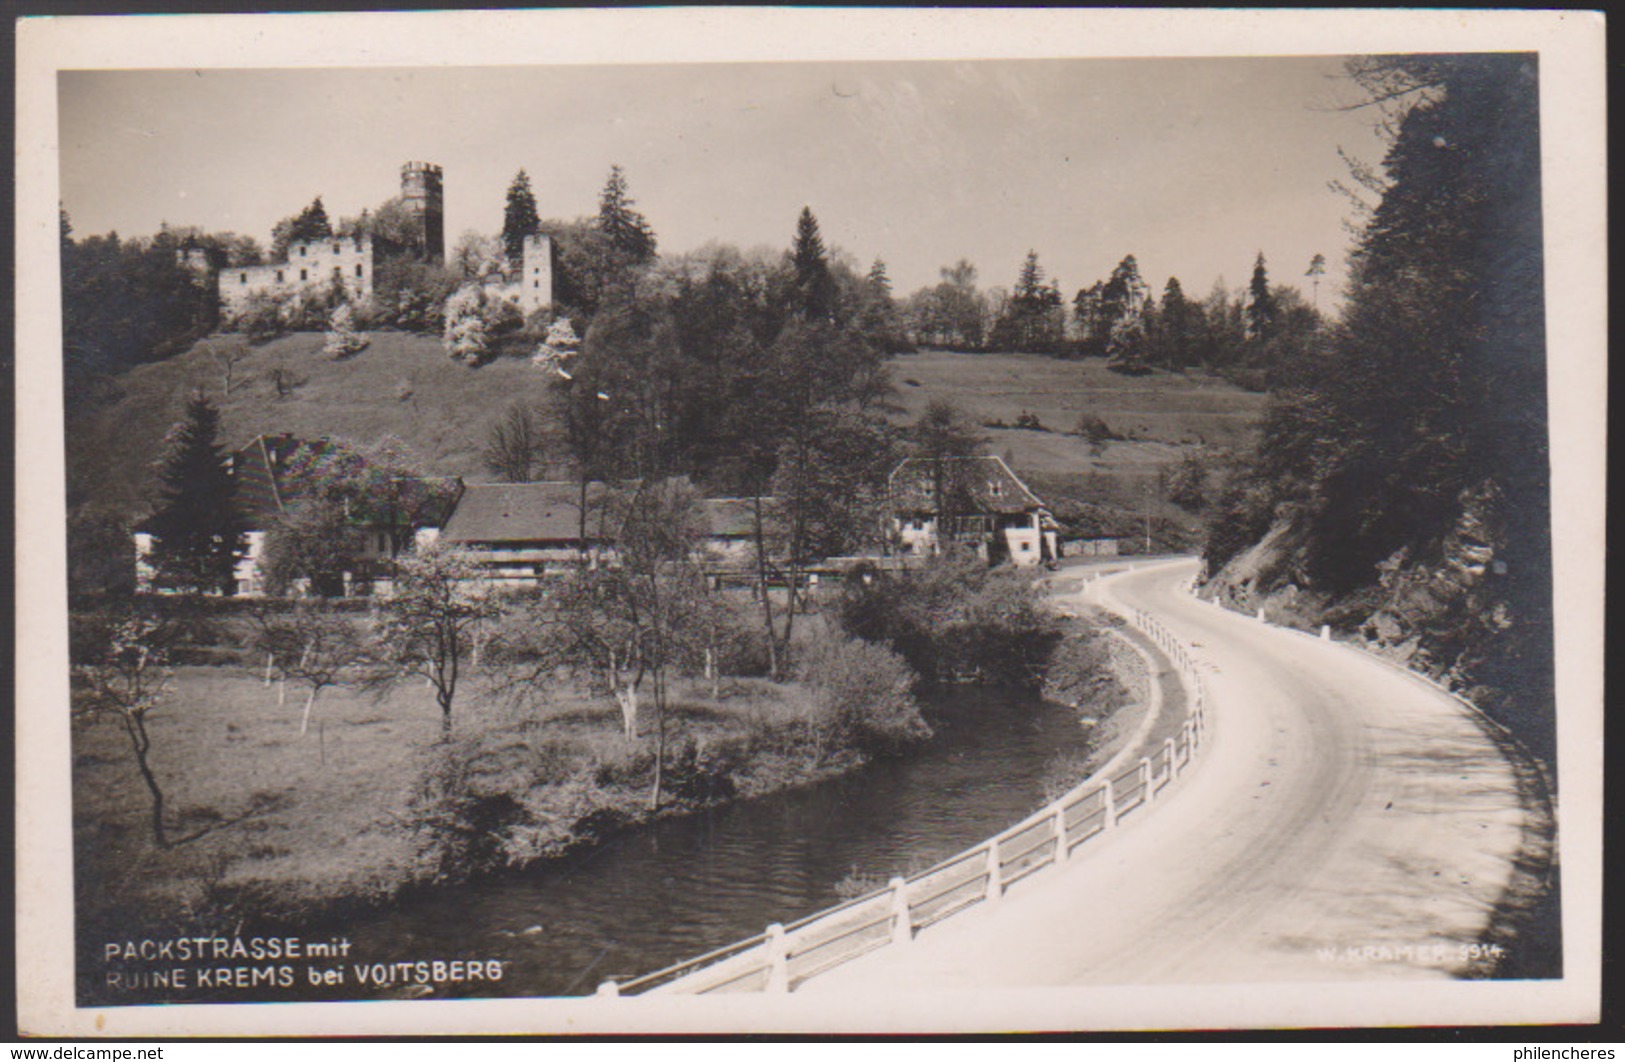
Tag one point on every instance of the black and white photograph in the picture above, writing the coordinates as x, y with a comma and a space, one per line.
809, 521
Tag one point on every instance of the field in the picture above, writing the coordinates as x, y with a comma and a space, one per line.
1105, 489
370, 800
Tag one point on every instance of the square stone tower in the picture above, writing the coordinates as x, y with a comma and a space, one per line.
425, 196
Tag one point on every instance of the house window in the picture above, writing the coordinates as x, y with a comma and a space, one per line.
279, 276
358, 269
537, 283
335, 248
244, 279
1026, 546
302, 275
301, 250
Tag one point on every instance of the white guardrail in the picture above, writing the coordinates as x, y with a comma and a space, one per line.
785, 956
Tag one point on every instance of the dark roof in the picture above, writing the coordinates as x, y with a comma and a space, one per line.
524, 512
551, 512
982, 484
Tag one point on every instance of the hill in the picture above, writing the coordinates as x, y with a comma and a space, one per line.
1105, 488
405, 385
401, 384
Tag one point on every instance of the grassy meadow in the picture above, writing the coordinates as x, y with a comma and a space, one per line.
370, 800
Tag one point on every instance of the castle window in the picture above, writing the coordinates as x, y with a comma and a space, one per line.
335, 248
301, 250
537, 283
279, 276
358, 269
244, 279
303, 275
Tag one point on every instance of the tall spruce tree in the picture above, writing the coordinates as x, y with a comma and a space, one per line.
519, 218
1261, 308
814, 294
628, 231
198, 533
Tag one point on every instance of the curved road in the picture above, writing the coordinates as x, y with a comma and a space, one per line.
1346, 821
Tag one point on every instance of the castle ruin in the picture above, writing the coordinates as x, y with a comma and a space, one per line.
349, 263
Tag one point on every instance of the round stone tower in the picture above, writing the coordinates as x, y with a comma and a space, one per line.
425, 197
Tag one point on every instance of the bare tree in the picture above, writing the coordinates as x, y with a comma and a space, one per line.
427, 627
227, 355
513, 449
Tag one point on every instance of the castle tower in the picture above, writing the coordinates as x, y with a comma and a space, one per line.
425, 197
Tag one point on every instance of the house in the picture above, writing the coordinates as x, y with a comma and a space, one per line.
267, 489
522, 531
972, 501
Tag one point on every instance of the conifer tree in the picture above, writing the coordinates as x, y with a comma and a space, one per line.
628, 231
1260, 304
519, 218
814, 296
197, 531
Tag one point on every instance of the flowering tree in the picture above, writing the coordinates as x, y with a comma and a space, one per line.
342, 337
466, 338
559, 348
127, 683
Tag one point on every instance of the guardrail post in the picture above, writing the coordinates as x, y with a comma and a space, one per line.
902, 925
1261, 615
609, 988
1146, 775
995, 883
1168, 746
1060, 834
1325, 632
778, 968
1111, 805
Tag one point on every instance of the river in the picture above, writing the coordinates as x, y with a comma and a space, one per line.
680, 887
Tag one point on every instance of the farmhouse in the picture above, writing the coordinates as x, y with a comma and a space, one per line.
972, 501
521, 531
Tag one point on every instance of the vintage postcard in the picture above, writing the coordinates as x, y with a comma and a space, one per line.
825, 521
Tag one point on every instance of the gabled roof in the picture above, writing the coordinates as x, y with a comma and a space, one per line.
982, 484
525, 512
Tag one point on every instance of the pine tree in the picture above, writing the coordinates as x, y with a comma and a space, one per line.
198, 534
628, 231
1261, 309
814, 296
519, 218
878, 278
1175, 332
1316, 270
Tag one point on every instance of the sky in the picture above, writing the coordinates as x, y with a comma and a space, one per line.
1192, 165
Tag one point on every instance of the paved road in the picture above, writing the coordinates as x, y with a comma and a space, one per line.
1347, 821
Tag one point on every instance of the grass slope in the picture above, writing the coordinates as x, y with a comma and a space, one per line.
1104, 490
401, 384
405, 385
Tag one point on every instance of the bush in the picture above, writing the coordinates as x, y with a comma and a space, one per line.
864, 694
955, 620
1030, 421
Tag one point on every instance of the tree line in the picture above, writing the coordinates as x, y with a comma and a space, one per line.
1407, 466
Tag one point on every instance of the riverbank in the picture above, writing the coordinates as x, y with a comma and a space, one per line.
287, 826
369, 803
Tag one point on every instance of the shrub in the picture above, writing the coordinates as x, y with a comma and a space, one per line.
864, 694
1030, 421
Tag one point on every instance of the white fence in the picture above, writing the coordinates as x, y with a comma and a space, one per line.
785, 956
